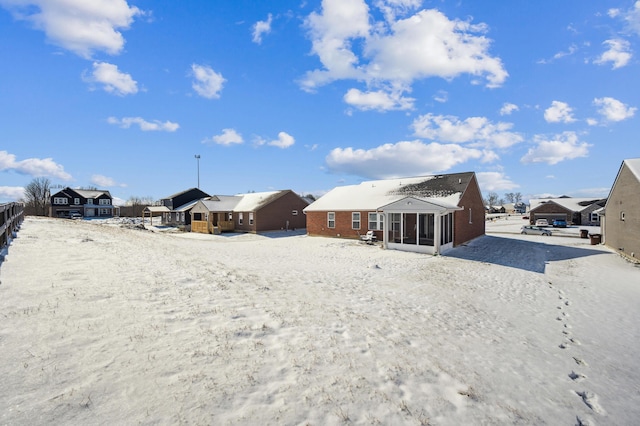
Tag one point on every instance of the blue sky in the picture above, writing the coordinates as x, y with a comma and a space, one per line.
537, 97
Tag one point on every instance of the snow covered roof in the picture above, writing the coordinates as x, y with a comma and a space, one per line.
253, 201
221, 203
157, 209
187, 206
569, 203
371, 195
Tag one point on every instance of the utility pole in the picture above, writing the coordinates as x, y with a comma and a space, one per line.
198, 161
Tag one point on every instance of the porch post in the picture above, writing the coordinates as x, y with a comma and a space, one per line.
417, 229
436, 233
385, 232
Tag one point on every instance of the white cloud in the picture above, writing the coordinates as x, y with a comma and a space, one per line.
145, 126
562, 147
631, 17
80, 26
613, 110
112, 79
390, 55
508, 108
11, 193
260, 28
495, 181
478, 131
36, 167
208, 83
619, 53
377, 100
442, 96
228, 137
392, 8
559, 112
104, 182
284, 140
407, 158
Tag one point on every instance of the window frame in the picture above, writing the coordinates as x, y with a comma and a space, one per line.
356, 223
331, 220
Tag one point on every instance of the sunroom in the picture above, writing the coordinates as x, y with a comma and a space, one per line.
418, 225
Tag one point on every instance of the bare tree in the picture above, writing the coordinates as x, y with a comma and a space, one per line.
135, 205
517, 197
36, 196
492, 199
510, 197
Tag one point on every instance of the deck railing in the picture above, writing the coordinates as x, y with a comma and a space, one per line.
11, 216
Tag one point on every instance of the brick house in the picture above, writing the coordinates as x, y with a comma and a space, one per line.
88, 203
576, 211
428, 214
621, 220
252, 212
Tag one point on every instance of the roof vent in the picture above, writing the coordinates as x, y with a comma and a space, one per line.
459, 180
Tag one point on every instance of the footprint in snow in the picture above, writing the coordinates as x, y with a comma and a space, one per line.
591, 400
577, 377
584, 421
579, 361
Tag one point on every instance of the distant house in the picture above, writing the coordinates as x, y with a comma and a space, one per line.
577, 211
179, 205
428, 214
252, 212
621, 225
88, 203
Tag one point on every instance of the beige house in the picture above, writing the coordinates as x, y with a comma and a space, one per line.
621, 221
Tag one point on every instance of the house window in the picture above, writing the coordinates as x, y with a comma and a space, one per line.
240, 218
104, 212
331, 220
89, 200
375, 221
294, 213
104, 201
355, 220
621, 215
60, 200
76, 201
250, 218
595, 217
182, 216
470, 217
230, 215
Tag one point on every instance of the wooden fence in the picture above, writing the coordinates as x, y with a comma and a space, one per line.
11, 216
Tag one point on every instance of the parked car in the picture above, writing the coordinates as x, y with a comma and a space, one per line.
559, 223
75, 215
542, 222
535, 230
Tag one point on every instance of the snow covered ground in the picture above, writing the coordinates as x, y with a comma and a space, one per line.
104, 324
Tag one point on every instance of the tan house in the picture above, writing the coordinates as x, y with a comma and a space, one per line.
621, 224
252, 212
427, 214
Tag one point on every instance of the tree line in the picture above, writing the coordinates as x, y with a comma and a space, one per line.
493, 199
